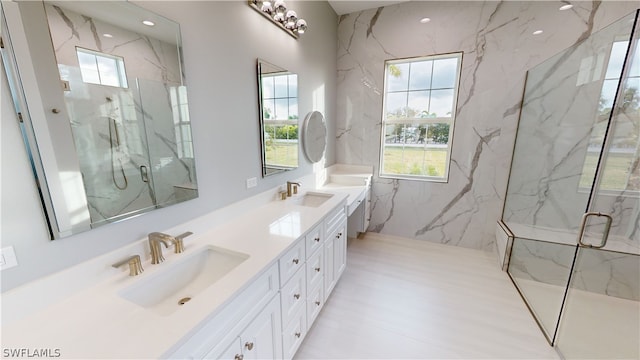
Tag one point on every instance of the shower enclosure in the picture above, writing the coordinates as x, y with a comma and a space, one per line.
573, 202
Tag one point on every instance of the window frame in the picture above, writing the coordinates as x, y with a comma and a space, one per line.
123, 83
416, 120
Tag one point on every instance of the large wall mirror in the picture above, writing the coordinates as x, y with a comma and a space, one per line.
278, 105
104, 106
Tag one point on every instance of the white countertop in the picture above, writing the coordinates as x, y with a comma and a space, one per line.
351, 180
97, 323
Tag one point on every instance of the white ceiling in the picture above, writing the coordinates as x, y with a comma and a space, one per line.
342, 7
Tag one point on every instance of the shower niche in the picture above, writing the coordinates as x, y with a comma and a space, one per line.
106, 120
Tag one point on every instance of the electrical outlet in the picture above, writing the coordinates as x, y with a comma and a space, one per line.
252, 182
8, 258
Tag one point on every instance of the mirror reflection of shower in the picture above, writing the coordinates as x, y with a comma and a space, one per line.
116, 153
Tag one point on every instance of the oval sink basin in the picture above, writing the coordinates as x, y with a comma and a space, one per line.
312, 199
174, 286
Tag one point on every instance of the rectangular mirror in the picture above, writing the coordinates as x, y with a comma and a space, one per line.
278, 104
106, 120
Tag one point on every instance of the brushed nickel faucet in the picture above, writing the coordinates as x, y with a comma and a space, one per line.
292, 188
157, 238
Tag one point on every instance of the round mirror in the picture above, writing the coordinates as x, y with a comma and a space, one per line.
314, 139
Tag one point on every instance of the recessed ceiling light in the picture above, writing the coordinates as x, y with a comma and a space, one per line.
565, 7
107, 35
148, 22
424, 20
538, 32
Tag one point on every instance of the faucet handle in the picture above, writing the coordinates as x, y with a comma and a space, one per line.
178, 242
135, 265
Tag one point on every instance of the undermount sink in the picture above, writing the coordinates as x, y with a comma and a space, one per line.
174, 286
312, 199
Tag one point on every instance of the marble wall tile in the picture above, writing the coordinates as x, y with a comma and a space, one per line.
498, 46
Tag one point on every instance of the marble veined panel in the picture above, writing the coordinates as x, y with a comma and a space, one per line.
498, 48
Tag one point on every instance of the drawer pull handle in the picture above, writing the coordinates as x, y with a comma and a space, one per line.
318, 269
297, 335
318, 303
295, 261
249, 346
297, 296
238, 357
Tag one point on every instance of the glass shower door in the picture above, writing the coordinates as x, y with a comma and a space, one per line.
563, 125
601, 317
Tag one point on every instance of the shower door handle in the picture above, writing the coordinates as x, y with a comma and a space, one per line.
605, 234
144, 174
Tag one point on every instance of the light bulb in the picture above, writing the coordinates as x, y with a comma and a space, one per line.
278, 17
280, 7
301, 26
565, 7
148, 22
266, 7
291, 17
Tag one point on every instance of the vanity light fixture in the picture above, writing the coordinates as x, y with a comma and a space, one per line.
278, 13
148, 22
565, 7
425, 20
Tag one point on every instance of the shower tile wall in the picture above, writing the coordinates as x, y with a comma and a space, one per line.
499, 48
145, 121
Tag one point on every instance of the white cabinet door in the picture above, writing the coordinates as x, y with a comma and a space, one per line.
262, 338
330, 275
340, 251
335, 255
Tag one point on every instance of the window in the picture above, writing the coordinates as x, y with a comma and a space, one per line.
280, 116
181, 121
418, 115
621, 171
102, 69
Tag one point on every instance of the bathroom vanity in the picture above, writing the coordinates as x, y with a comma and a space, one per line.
355, 182
250, 286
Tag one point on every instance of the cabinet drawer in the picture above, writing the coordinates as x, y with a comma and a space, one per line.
314, 240
294, 294
315, 269
334, 218
291, 261
315, 302
294, 333
354, 205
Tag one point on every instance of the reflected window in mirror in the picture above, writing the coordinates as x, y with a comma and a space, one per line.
279, 118
101, 69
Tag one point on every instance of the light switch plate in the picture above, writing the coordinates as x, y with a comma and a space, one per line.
8, 258
252, 182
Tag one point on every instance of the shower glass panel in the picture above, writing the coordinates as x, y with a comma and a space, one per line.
601, 318
576, 152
